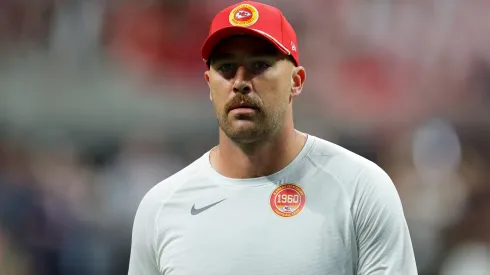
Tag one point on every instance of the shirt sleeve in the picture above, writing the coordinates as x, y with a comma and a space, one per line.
383, 238
143, 259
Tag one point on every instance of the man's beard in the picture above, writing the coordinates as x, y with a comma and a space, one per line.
254, 131
256, 128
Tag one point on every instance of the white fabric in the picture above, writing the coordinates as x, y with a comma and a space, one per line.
352, 222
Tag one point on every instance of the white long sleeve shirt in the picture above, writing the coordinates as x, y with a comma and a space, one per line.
329, 211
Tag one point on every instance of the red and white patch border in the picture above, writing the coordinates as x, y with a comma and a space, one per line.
244, 23
287, 195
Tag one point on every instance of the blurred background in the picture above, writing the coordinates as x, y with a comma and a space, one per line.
102, 99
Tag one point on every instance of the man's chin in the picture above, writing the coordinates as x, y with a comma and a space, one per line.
244, 133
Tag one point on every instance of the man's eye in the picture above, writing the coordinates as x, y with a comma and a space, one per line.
225, 68
260, 66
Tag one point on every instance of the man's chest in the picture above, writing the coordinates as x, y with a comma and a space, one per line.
282, 231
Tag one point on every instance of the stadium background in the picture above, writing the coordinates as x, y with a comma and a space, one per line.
100, 100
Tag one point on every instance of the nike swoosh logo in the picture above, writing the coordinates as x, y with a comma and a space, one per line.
195, 211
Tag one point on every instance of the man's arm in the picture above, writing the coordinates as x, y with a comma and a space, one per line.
383, 239
143, 259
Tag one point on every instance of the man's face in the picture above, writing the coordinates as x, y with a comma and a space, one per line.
251, 87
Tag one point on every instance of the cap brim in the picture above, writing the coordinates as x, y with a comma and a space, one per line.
221, 34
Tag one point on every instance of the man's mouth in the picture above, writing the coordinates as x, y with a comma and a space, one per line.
243, 109
244, 106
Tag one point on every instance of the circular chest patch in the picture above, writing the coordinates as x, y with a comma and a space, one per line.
244, 15
287, 200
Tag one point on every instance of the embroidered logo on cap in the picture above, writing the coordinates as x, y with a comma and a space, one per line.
244, 15
287, 200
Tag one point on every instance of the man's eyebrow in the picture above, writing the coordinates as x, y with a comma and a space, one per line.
266, 52
221, 56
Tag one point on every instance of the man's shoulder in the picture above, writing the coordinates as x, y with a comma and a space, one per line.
164, 189
331, 156
349, 169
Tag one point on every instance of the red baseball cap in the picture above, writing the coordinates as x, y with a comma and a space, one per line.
255, 19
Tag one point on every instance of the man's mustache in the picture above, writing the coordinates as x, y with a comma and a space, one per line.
242, 99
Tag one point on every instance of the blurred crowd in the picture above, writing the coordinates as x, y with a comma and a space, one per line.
101, 100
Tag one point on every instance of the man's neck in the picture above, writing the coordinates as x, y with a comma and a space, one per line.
269, 157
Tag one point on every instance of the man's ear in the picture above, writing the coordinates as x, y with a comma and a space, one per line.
206, 77
298, 77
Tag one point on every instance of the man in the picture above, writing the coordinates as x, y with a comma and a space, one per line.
268, 199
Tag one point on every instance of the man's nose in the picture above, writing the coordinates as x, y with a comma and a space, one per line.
241, 83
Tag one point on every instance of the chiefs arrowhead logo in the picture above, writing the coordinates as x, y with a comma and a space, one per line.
244, 15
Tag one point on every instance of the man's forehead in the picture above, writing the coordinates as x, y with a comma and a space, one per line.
244, 45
